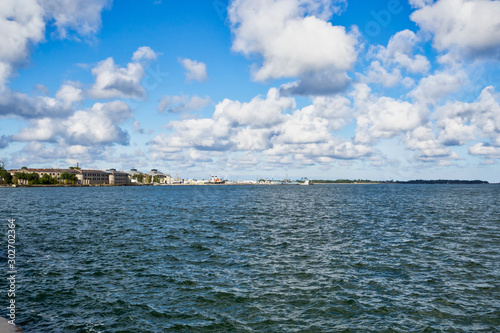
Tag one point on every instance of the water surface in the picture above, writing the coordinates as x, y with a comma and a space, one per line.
322, 258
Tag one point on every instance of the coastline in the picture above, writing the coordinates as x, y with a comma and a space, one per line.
231, 184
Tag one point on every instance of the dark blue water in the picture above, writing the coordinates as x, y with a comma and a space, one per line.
323, 258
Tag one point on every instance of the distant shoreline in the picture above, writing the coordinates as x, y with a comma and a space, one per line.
430, 182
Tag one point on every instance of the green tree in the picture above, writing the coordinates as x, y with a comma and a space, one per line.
32, 178
7, 177
47, 179
139, 177
69, 177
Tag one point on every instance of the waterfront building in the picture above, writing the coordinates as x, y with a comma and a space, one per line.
132, 175
95, 177
85, 177
118, 177
92, 177
54, 173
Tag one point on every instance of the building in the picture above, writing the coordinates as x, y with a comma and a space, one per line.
54, 173
85, 177
95, 177
132, 175
118, 177
92, 177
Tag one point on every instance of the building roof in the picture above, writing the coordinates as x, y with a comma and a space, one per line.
155, 172
51, 170
94, 171
134, 172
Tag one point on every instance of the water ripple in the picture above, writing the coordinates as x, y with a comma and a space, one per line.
332, 258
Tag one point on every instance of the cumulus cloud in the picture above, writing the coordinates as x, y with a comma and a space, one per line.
195, 70
70, 93
117, 82
22, 105
486, 150
384, 117
23, 22
75, 18
182, 103
433, 88
41, 153
378, 74
423, 140
21, 26
467, 26
113, 81
461, 122
400, 52
266, 127
320, 83
258, 112
294, 39
97, 125
144, 52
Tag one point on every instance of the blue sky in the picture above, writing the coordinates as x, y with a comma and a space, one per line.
315, 88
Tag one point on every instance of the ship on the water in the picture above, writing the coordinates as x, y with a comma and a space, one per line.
304, 181
215, 181
289, 182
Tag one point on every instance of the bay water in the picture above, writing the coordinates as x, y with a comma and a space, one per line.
322, 258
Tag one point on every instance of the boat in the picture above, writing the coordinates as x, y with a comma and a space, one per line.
215, 181
305, 181
287, 181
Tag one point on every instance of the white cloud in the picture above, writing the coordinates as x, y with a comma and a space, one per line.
420, 3
98, 125
70, 93
336, 110
80, 16
292, 36
196, 71
182, 103
256, 113
425, 142
264, 127
433, 88
121, 82
22, 105
485, 150
384, 117
468, 26
144, 52
60, 152
21, 25
326, 82
461, 122
400, 51
378, 74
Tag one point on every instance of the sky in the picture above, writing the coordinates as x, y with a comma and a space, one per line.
324, 89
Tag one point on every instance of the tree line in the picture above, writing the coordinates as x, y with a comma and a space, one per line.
34, 178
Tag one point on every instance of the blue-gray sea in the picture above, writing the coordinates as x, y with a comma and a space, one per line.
322, 258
